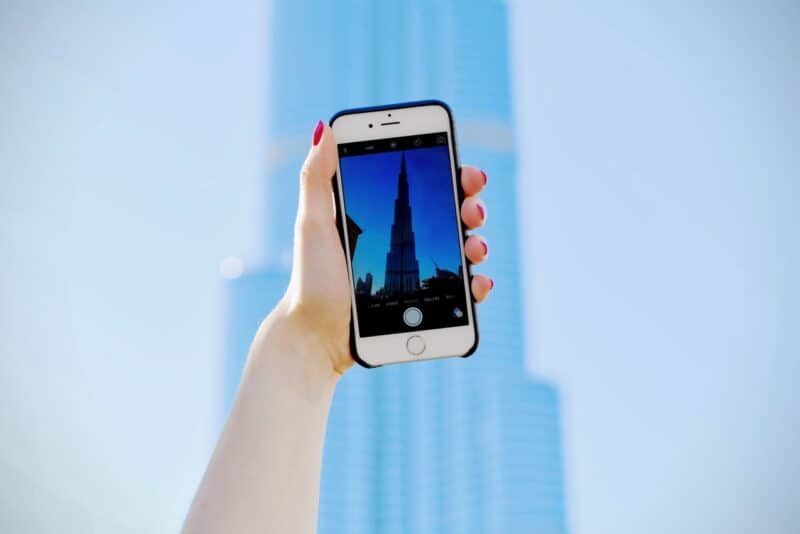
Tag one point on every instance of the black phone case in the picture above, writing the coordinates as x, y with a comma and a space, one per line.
464, 229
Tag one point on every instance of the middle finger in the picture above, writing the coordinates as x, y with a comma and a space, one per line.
473, 212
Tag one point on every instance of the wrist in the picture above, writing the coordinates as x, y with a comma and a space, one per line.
285, 350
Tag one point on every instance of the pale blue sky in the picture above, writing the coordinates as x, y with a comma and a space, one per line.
658, 191
660, 164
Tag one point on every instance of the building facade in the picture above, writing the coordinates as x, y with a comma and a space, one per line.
433, 447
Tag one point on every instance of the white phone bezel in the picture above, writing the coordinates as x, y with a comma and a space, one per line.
439, 342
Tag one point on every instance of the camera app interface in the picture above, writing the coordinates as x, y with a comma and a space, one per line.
403, 233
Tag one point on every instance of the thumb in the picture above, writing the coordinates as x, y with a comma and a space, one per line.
316, 191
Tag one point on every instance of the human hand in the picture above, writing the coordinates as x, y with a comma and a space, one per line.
317, 301
265, 471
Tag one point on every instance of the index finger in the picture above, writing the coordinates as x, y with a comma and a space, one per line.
473, 180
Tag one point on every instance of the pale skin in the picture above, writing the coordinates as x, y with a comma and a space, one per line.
264, 473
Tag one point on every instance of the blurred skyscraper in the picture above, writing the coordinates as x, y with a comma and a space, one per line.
450, 446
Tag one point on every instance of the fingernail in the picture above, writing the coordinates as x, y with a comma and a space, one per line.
491, 284
484, 177
318, 132
481, 211
485, 248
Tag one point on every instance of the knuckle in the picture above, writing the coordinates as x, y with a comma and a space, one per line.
306, 175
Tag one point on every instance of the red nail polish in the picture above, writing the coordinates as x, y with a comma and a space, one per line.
485, 248
491, 283
484, 177
481, 211
318, 132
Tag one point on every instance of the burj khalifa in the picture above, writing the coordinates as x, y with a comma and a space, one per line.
449, 446
402, 267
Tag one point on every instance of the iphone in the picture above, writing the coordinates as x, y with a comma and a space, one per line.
398, 197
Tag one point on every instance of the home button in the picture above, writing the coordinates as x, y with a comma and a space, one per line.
415, 345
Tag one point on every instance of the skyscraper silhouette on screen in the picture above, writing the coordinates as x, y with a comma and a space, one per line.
402, 268
448, 446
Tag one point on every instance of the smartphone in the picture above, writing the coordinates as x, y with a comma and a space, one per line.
398, 197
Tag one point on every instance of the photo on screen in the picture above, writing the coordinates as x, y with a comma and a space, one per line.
404, 237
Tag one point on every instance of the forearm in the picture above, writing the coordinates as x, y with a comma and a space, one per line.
264, 474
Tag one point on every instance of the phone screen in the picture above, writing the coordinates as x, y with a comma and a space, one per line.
404, 234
